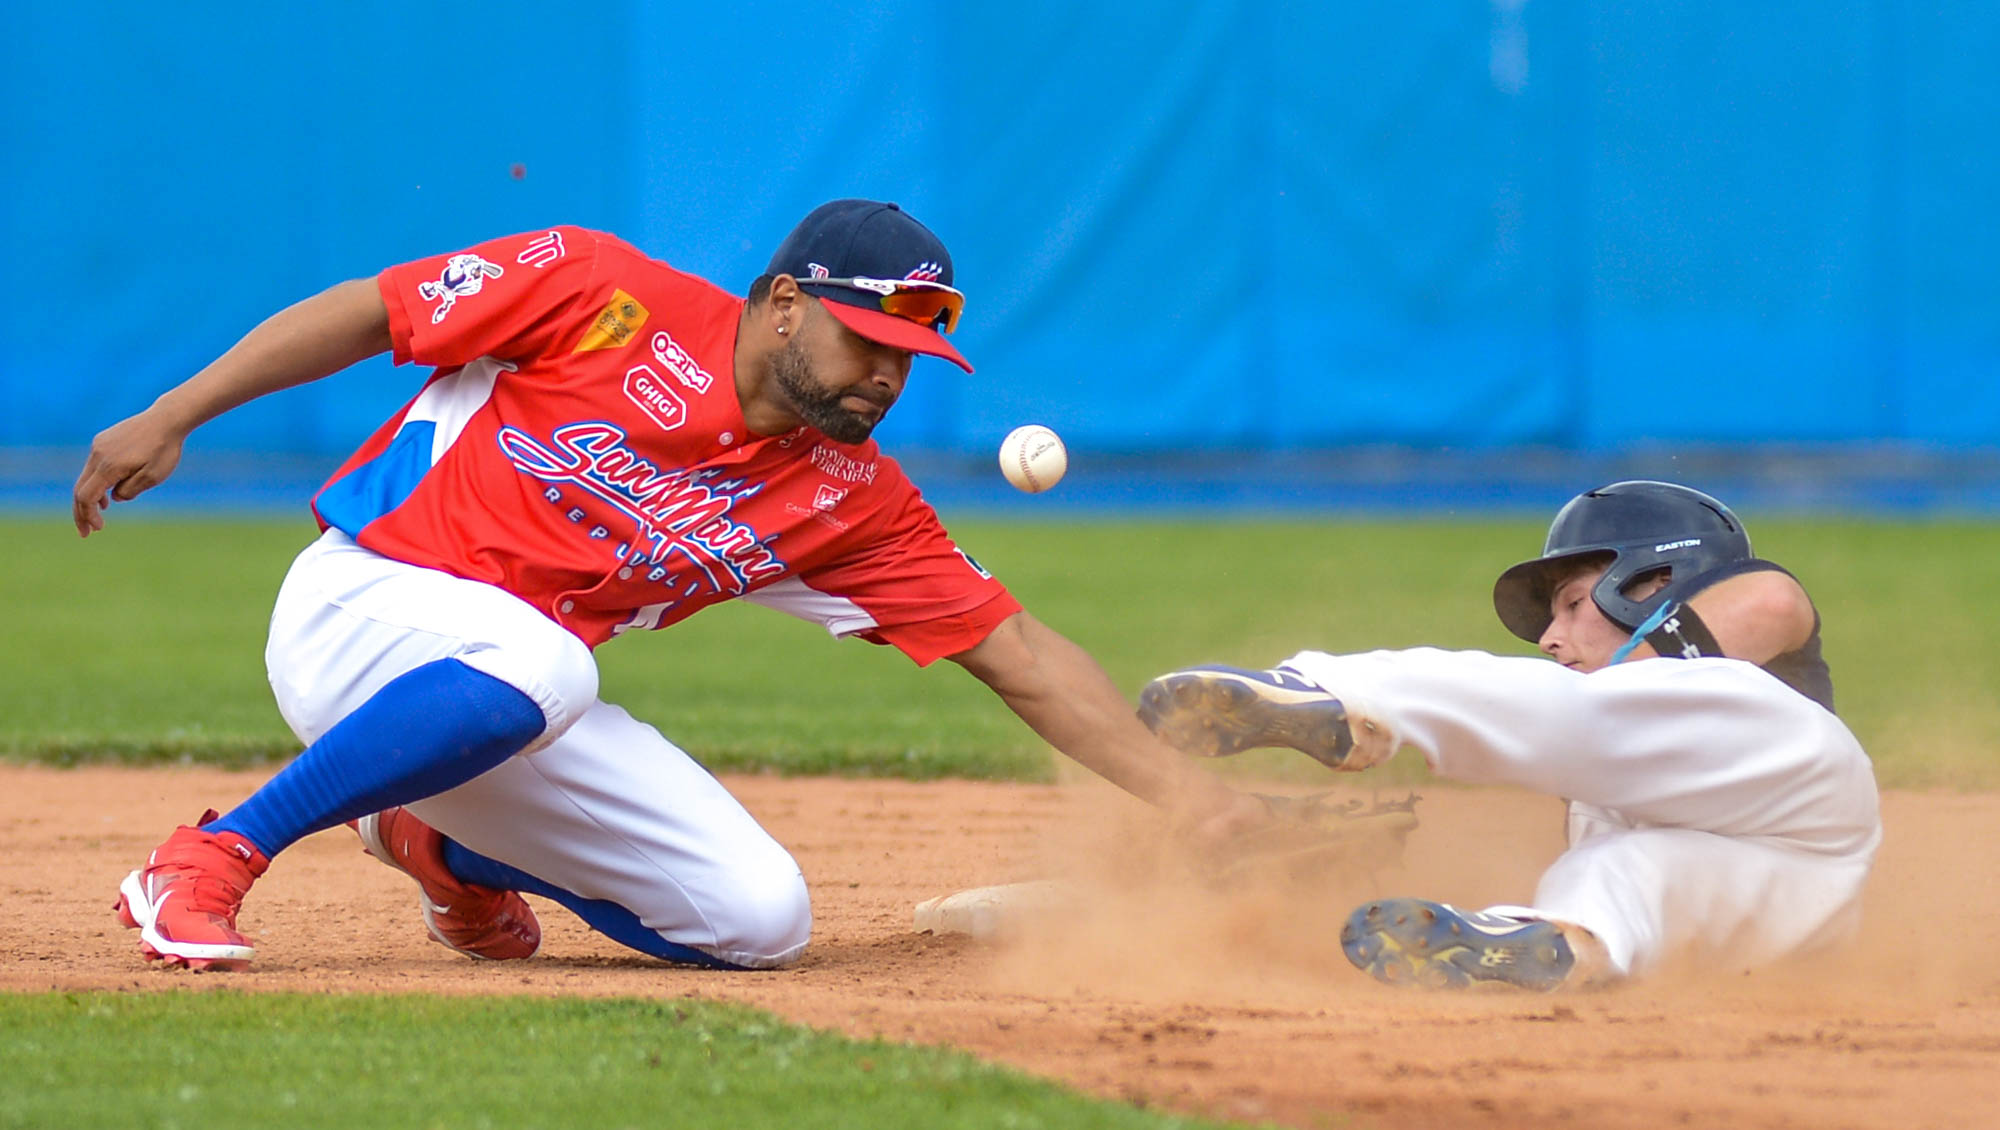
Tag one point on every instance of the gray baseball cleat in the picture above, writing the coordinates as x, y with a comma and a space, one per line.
1216, 711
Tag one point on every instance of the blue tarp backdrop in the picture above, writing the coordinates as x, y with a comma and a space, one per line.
1226, 225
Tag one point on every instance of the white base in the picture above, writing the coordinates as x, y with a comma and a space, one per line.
988, 912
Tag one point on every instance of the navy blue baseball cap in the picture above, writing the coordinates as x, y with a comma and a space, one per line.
880, 272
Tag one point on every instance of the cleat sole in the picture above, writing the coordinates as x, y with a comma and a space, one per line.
1217, 712
1415, 942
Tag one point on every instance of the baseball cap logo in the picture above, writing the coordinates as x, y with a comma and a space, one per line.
927, 271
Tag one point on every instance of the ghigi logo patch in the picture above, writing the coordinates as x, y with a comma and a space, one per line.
645, 387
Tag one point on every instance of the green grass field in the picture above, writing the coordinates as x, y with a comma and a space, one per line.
145, 645
204, 1059
146, 642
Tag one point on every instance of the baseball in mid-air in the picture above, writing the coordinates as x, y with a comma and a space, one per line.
1033, 458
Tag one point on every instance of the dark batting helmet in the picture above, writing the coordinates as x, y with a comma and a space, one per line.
1640, 526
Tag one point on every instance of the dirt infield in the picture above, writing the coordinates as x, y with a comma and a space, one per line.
1234, 1004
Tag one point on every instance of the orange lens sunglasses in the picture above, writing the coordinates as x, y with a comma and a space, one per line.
926, 303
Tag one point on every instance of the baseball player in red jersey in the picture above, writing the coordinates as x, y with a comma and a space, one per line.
606, 444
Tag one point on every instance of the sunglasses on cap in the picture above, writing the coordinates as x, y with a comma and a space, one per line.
926, 303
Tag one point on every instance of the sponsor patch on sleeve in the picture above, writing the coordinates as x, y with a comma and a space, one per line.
615, 324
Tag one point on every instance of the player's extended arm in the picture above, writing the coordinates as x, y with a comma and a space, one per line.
315, 338
1062, 693
1754, 616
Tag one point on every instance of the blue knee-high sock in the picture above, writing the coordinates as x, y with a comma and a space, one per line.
427, 730
602, 915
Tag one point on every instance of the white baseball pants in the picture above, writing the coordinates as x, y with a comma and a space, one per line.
602, 806
1713, 809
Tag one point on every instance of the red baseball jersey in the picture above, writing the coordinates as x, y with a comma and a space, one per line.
581, 446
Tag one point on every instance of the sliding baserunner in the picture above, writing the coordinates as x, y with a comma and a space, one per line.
1717, 806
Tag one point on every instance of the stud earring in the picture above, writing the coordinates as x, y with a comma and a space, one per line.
781, 329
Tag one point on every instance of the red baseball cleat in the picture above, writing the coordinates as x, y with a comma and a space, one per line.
477, 921
184, 900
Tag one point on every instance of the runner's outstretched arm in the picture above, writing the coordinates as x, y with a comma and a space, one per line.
1065, 696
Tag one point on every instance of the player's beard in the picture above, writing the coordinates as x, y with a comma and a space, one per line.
816, 404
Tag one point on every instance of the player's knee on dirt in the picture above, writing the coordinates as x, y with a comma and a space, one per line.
766, 917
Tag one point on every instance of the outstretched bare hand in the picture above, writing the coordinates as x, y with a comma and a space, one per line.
127, 458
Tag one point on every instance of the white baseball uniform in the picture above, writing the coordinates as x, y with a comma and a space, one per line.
610, 809
1713, 808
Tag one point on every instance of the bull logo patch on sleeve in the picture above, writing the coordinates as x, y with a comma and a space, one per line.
463, 275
